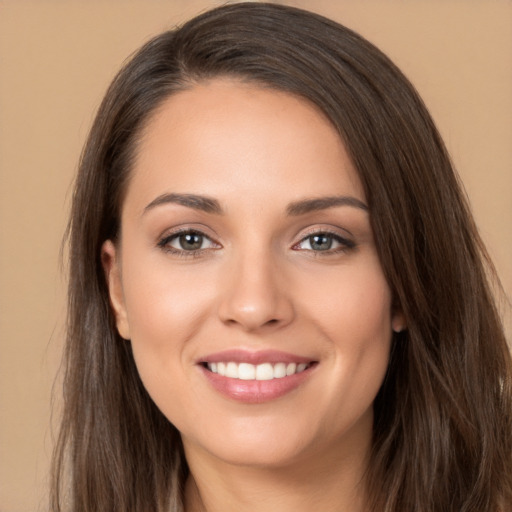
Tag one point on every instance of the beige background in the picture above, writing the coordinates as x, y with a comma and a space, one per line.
56, 59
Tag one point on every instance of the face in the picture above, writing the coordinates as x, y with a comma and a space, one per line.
247, 279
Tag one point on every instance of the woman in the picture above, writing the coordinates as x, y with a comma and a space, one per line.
278, 298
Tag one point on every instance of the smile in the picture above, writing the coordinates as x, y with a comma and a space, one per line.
264, 371
256, 377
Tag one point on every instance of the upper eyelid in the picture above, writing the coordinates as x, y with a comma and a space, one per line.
330, 230
173, 232
300, 237
345, 241
164, 243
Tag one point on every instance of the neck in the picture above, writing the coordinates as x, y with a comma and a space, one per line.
328, 483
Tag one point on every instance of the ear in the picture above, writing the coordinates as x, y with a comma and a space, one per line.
112, 269
398, 323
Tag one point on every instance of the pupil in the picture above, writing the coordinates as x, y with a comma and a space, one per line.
320, 242
191, 241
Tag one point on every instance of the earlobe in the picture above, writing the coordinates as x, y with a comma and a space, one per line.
398, 323
112, 269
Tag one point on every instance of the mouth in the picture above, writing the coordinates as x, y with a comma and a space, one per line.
260, 372
256, 377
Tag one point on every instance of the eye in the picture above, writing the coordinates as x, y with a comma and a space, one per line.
324, 242
190, 241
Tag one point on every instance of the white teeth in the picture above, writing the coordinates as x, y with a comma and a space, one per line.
264, 371
279, 371
246, 371
290, 369
232, 370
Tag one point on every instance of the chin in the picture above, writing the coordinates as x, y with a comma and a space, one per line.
273, 443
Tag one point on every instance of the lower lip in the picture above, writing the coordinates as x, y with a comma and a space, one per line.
256, 391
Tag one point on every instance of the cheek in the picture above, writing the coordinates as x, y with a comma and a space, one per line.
353, 311
163, 301
363, 327
166, 307
352, 304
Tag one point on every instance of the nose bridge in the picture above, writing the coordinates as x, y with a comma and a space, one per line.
255, 296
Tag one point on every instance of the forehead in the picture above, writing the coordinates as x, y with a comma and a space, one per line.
224, 136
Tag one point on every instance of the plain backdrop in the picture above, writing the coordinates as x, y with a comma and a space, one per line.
56, 60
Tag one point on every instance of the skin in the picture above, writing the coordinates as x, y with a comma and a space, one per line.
257, 283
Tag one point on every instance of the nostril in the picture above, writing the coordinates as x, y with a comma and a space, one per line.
253, 307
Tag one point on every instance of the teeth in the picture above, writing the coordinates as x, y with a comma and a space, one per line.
264, 371
290, 369
232, 370
279, 371
246, 371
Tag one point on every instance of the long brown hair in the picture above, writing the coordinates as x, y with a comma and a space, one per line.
443, 417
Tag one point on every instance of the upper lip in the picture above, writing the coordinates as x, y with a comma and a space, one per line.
253, 357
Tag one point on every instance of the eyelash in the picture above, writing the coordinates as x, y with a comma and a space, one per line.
164, 243
345, 244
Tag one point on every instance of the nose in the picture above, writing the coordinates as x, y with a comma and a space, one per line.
255, 295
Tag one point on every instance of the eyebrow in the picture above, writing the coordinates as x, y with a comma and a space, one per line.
202, 203
323, 203
211, 205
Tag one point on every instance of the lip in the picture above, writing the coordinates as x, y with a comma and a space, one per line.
252, 357
255, 391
